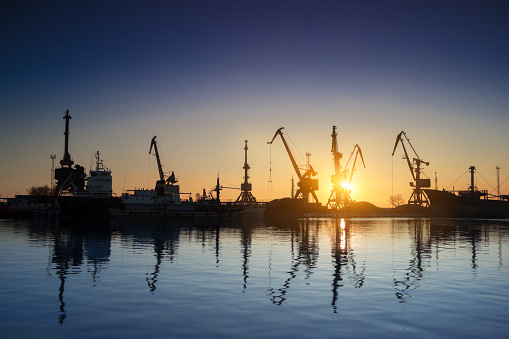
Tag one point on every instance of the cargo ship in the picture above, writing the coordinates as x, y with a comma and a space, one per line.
79, 194
164, 200
97, 196
471, 203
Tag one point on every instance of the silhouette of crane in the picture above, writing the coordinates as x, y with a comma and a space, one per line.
341, 179
246, 197
162, 182
307, 185
418, 196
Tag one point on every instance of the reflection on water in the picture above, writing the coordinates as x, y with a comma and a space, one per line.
420, 250
304, 251
279, 262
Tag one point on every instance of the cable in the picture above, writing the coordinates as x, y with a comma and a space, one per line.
269, 184
296, 150
392, 176
504, 181
456, 179
486, 181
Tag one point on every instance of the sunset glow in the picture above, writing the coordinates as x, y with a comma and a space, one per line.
203, 85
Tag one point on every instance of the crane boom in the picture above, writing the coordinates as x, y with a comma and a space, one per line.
418, 196
306, 184
399, 139
292, 159
359, 152
153, 144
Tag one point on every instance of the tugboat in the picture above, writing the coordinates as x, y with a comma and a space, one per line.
471, 203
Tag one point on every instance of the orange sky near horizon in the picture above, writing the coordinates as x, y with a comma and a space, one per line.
204, 77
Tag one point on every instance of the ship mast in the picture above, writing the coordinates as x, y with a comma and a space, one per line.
472, 178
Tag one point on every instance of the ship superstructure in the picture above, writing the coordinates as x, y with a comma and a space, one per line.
99, 182
471, 203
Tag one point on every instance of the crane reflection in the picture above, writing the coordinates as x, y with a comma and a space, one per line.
343, 259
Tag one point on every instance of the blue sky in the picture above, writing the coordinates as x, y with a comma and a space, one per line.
206, 75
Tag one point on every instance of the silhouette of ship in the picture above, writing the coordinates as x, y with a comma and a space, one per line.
165, 201
471, 203
96, 197
78, 194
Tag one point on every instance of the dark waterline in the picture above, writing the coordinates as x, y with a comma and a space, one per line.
308, 278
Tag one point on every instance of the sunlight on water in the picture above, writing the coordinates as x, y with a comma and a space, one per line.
302, 278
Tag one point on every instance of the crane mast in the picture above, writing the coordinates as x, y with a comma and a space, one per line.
307, 185
246, 197
69, 178
357, 151
418, 196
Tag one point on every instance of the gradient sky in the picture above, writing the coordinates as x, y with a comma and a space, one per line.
203, 76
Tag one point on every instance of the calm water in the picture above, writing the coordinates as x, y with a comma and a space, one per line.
314, 278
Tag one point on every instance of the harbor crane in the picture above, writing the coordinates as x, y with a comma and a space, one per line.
162, 182
246, 197
341, 179
307, 185
418, 196
69, 179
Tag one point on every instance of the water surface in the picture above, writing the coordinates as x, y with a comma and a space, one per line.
306, 278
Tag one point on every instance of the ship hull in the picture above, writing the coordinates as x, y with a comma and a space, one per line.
88, 206
444, 204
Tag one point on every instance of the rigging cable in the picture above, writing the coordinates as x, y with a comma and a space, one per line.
296, 151
269, 186
504, 181
230, 184
365, 186
485, 180
457, 179
392, 176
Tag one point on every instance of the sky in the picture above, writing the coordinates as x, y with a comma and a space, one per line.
203, 76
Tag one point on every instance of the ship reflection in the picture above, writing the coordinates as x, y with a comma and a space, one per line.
71, 247
290, 249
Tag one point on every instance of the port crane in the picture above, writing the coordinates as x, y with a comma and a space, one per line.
307, 185
68, 179
341, 179
246, 197
162, 182
418, 196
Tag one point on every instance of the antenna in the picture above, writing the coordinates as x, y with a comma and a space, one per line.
498, 182
293, 187
53, 157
